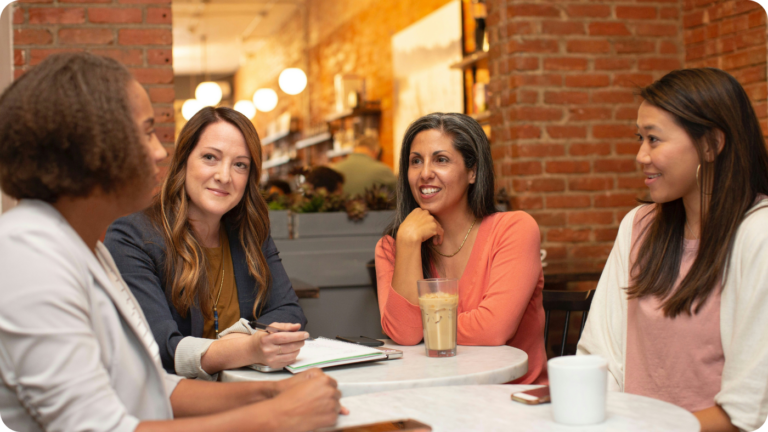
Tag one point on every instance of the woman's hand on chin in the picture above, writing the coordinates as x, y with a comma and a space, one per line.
420, 226
278, 350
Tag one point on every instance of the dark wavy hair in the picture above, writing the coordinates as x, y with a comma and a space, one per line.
186, 263
66, 129
468, 139
702, 101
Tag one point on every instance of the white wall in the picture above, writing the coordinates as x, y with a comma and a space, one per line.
6, 73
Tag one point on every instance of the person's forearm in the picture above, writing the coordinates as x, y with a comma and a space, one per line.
196, 398
251, 418
228, 353
715, 419
407, 270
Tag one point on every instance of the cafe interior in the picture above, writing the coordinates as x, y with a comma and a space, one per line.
553, 84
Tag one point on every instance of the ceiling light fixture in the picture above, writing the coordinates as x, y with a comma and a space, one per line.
208, 93
265, 99
246, 108
292, 81
190, 108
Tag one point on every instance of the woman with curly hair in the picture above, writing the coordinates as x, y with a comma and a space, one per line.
200, 260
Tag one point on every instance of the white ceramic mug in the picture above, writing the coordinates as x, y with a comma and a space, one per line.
578, 387
543, 253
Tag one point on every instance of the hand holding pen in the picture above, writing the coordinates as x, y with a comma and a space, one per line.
277, 345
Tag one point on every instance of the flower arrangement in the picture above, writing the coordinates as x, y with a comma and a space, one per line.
307, 199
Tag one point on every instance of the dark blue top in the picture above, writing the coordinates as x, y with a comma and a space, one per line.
138, 249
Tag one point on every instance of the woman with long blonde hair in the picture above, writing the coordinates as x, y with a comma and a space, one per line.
200, 260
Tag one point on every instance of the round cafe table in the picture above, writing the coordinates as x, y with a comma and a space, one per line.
471, 365
489, 408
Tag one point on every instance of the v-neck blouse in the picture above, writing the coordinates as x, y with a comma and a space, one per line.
500, 299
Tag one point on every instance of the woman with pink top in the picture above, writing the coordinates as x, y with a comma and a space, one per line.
679, 311
446, 226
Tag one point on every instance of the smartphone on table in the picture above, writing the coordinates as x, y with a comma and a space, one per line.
361, 340
532, 397
408, 425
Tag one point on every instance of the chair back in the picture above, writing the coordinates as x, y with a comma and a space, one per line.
567, 301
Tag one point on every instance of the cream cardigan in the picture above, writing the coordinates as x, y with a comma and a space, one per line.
743, 319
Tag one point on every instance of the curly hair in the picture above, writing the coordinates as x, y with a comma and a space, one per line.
66, 129
186, 263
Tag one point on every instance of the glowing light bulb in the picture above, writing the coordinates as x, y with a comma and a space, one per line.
292, 81
208, 93
190, 108
265, 99
246, 108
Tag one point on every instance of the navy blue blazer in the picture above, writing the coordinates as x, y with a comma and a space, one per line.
138, 249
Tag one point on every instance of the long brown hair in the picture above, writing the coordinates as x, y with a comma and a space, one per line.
702, 101
185, 262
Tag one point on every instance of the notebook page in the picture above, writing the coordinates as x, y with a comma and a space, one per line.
324, 350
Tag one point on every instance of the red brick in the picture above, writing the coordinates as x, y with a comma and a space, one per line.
659, 63
567, 167
750, 74
538, 185
565, 63
696, 35
128, 57
18, 57
520, 168
31, 37
632, 80
592, 251
537, 150
669, 13
588, 149
35, 1
527, 202
613, 131
532, 10
533, 45
587, 80
159, 16
556, 252
627, 148
616, 200
634, 47
114, 15
745, 6
85, 36
18, 15
549, 219
590, 183
631, 182
521, 28
613, 97
38, 55
56, 15
756, 19
626, 113
590, 113
85, 1
693, 19
615, 165
656, 30
145, 37
538, 80
566, 97
166, 134
588, 46
560, 132
744, 58
612, 63
17, 73
528, 97
163, 114
145, 1
588, 11
562, 28
608, 29
524, 63
590, 218
635, 12
693, 53
524, 132
159, 57
539, 114
568, 201
606, 234
568, 235
153, 75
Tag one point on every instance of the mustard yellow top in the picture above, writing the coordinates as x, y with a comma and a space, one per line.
228, 306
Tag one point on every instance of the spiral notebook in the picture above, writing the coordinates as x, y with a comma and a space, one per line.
323, 352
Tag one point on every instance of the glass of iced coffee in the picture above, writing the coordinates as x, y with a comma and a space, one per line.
439, 302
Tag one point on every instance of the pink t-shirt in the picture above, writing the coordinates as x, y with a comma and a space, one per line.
500, 299
677, 360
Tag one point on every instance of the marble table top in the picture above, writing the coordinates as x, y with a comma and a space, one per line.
489, 408
472, 365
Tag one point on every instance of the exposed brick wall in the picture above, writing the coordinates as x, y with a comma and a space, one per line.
135, 32
730, 35
563, 76
346, 36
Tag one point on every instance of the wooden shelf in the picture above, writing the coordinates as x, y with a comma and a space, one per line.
313, 140
275, 137
277, 161
470, 60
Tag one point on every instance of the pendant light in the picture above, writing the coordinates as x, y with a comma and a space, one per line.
292, 81
265, 99
246, 108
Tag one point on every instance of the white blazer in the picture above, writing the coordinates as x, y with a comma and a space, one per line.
76, 353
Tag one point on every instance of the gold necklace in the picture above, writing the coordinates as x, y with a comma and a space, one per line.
462, 243
216, 303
